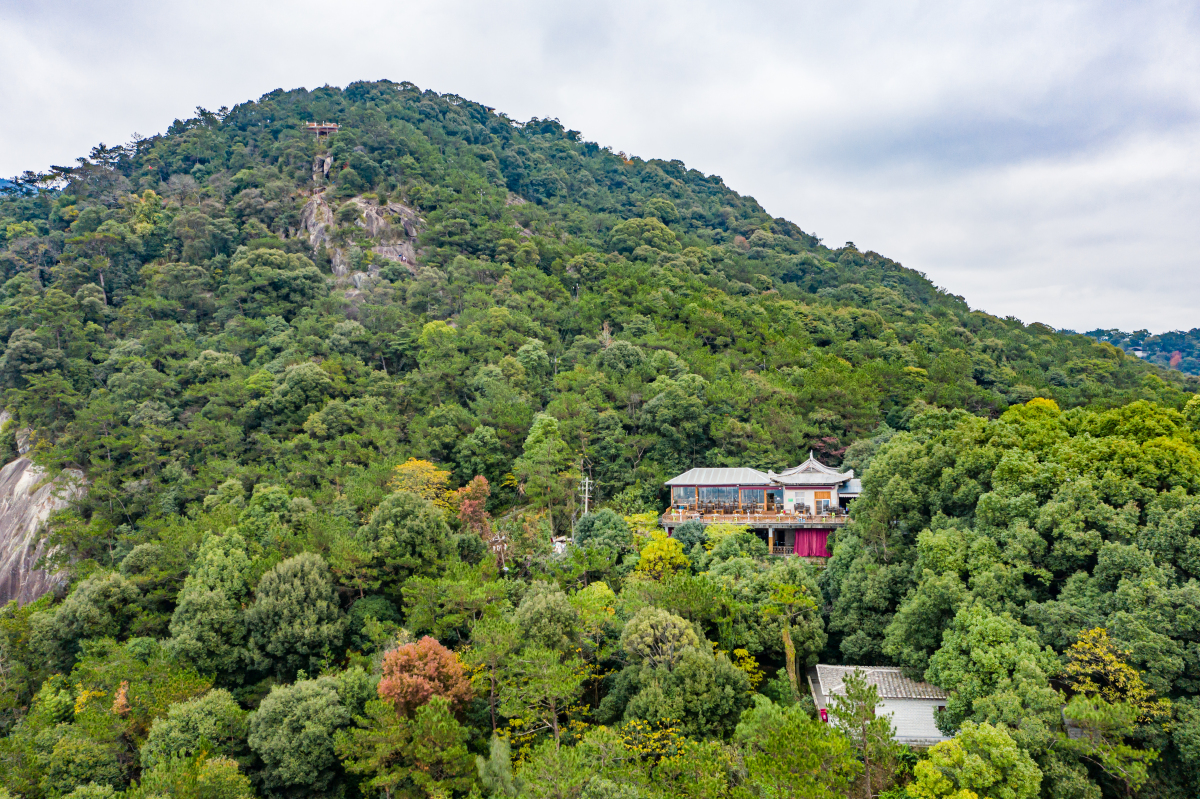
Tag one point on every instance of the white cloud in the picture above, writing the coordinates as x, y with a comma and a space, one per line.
1035, 158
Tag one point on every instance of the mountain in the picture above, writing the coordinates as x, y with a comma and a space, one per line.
629, 275
322, 386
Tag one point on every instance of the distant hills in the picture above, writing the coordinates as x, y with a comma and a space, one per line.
8, 187
1174, 350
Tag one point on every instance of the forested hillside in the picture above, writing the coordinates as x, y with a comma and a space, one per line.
333, 397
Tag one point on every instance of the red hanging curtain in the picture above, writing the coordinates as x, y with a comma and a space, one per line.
812, 543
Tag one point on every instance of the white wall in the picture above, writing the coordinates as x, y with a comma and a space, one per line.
912, 718
806, 497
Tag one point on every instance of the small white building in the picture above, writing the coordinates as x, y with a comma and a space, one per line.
910, 703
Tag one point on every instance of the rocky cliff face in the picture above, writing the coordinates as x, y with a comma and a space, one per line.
393, 226
27, 499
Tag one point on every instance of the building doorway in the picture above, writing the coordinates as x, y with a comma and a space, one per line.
774, 500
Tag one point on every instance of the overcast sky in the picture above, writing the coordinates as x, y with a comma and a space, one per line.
1037, 158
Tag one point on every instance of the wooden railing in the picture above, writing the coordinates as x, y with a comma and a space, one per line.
773, 519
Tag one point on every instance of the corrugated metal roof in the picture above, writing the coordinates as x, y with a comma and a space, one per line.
890, 682
851, 487
721, 477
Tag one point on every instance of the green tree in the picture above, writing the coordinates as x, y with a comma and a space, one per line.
212, 723
208, 627
547, 617
1103, 731
272, 282
423, 756
704, 695
598, 627
788, 602
74, 758
627, 236
539, 687
542, 471
100, 606
657, 638
295, 620
790, 754
915, 632
198, 777
690, 534
406, 536
854, 711
978, 651
604, 528
495, 771
89, 791
447, 606
292, 733
493, 641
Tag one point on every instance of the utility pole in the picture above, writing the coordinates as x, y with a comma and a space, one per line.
585, 488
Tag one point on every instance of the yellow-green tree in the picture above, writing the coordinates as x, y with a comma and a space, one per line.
981, 762
1097, 668
662, 557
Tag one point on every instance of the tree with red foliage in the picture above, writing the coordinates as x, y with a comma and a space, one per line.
415, 672
472, 507
471, 500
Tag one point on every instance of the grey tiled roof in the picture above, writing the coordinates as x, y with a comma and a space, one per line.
812, 473
813, 465
810, 478
721, 477
890, 683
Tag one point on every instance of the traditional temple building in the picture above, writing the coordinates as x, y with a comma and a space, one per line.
794, 511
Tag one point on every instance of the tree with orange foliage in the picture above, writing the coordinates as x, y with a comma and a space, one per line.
413, 673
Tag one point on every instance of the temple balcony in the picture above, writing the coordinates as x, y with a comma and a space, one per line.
759, 520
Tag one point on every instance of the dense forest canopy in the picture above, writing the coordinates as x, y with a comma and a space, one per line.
334, 396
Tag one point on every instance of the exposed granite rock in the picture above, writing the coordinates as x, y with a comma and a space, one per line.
321, 166
393, 225
317, 220
27, 499
402, 253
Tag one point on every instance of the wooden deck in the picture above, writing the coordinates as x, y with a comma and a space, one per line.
769, 521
